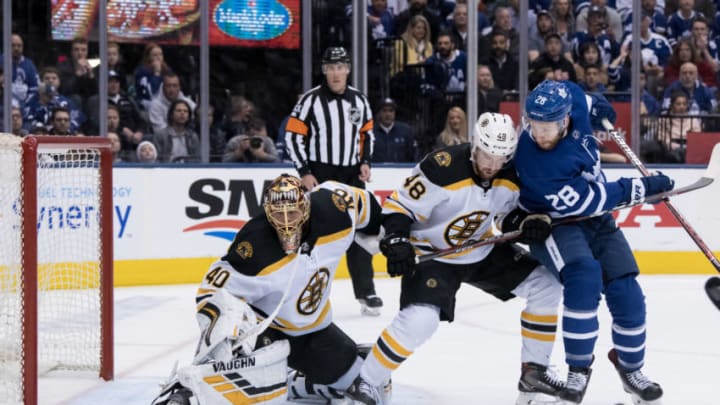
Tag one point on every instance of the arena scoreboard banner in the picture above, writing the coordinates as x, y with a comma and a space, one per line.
244, 23
171, 223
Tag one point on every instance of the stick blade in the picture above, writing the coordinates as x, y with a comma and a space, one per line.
713, 168
712, 288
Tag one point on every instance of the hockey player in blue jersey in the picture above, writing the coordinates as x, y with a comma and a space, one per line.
558, 165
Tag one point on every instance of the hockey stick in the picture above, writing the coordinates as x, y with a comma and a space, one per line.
712, 288
710, 175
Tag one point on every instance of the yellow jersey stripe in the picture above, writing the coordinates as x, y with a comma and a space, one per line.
538, 336
460, 184
288, 326
538, 318
277, 265
507, 184
384, 360
333, 237
397, 347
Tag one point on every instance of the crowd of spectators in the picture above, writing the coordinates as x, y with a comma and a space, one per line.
587, 41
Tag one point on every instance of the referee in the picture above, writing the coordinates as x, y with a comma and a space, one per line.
329, 137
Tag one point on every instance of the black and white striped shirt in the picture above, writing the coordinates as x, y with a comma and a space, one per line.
330, 128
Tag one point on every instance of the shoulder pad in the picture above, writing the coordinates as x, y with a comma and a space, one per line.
329, 211
255, 247
447, 165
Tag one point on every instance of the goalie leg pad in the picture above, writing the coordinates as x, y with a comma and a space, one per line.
260, 378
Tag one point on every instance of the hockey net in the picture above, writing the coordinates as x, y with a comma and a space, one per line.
55, 260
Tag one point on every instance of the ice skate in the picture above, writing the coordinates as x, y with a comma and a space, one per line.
576, 385
370, 305
538, 385
362, 393
301, 390
642, 390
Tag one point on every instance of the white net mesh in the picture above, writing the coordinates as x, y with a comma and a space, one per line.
69, 253
11, 247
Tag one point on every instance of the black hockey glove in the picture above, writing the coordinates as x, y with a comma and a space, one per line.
535, 228
399, 253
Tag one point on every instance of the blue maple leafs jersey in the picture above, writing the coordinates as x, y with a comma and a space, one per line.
567, 180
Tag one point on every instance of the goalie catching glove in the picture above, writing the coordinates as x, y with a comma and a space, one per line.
534, 228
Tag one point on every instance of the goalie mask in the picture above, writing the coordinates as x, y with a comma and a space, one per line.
493, 143
287, 207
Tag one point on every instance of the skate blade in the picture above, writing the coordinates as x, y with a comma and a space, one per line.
636, 400
537, 398
367, 311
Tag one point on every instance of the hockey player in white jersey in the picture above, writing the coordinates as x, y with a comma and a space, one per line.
558, 163
455, 194
279, 267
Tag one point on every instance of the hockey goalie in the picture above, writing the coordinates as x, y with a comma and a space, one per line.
264, 307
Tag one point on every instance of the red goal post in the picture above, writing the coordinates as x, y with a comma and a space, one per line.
56, 260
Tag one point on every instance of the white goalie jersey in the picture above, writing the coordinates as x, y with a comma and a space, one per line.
257, 269
450, 205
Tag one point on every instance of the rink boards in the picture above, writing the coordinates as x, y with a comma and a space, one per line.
170, 223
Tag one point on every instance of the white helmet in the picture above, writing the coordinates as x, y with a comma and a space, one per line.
495, 135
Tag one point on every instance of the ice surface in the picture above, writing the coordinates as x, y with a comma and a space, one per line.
474, 360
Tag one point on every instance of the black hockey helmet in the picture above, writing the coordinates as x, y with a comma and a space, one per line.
335, 54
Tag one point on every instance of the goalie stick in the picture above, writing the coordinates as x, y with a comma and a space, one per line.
711, 173
712, 286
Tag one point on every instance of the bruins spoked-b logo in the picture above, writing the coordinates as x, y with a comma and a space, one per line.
443, 158
244, 249
312, 295
463, 228
354, 115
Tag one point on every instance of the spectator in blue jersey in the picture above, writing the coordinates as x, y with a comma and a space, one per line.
595, 32
447, 66
655, 43
680, 23
24, 73
394, 140
558, 163
658, 21
39, 108
149, 75
380, 19
701, 100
